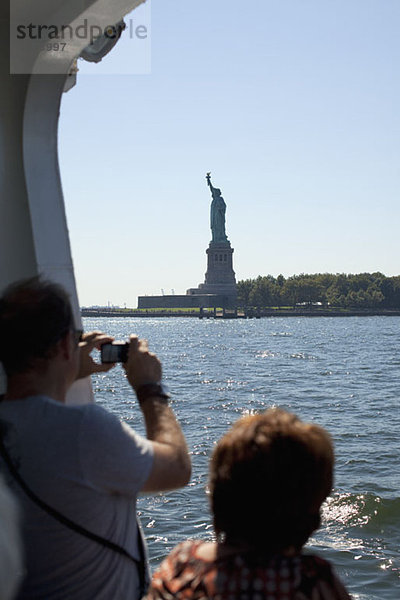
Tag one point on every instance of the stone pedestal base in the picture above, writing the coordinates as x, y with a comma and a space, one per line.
220, 276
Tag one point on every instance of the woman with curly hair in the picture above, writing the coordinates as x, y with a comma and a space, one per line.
269, 476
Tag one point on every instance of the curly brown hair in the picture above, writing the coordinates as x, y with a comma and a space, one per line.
269, 475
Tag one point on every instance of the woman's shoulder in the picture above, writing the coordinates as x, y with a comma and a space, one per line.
178, 571
319, 574
185, 553
316, 566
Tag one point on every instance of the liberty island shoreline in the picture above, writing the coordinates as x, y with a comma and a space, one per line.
235, 314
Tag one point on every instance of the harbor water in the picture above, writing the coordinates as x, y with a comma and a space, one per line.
342, 373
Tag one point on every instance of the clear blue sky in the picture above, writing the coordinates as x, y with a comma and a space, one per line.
294, 108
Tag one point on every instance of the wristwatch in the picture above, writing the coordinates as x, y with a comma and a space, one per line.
149, 390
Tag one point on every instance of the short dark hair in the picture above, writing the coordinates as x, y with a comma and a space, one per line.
34, 315
268, 478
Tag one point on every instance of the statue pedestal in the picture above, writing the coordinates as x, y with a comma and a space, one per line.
220, 276
219, 266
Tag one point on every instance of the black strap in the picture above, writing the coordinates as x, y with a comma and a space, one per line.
140, 564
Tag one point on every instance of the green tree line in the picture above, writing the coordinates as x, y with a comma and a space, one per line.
364, 290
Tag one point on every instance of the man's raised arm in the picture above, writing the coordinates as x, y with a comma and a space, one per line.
171, 465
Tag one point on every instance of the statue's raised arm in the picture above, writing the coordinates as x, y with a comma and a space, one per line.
210, 185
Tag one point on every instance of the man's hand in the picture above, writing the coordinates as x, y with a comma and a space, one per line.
87, 366
142, 366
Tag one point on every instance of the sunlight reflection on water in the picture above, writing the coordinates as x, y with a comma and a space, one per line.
340, 373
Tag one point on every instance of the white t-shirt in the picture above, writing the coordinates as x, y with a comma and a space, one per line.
10, 544
88, 465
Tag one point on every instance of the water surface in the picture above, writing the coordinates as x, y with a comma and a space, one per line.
342, 373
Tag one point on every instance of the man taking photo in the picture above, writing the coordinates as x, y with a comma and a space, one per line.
77, 470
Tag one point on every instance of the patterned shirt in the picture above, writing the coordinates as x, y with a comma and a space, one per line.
186, 576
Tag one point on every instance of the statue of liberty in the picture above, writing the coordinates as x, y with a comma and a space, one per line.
217, 214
